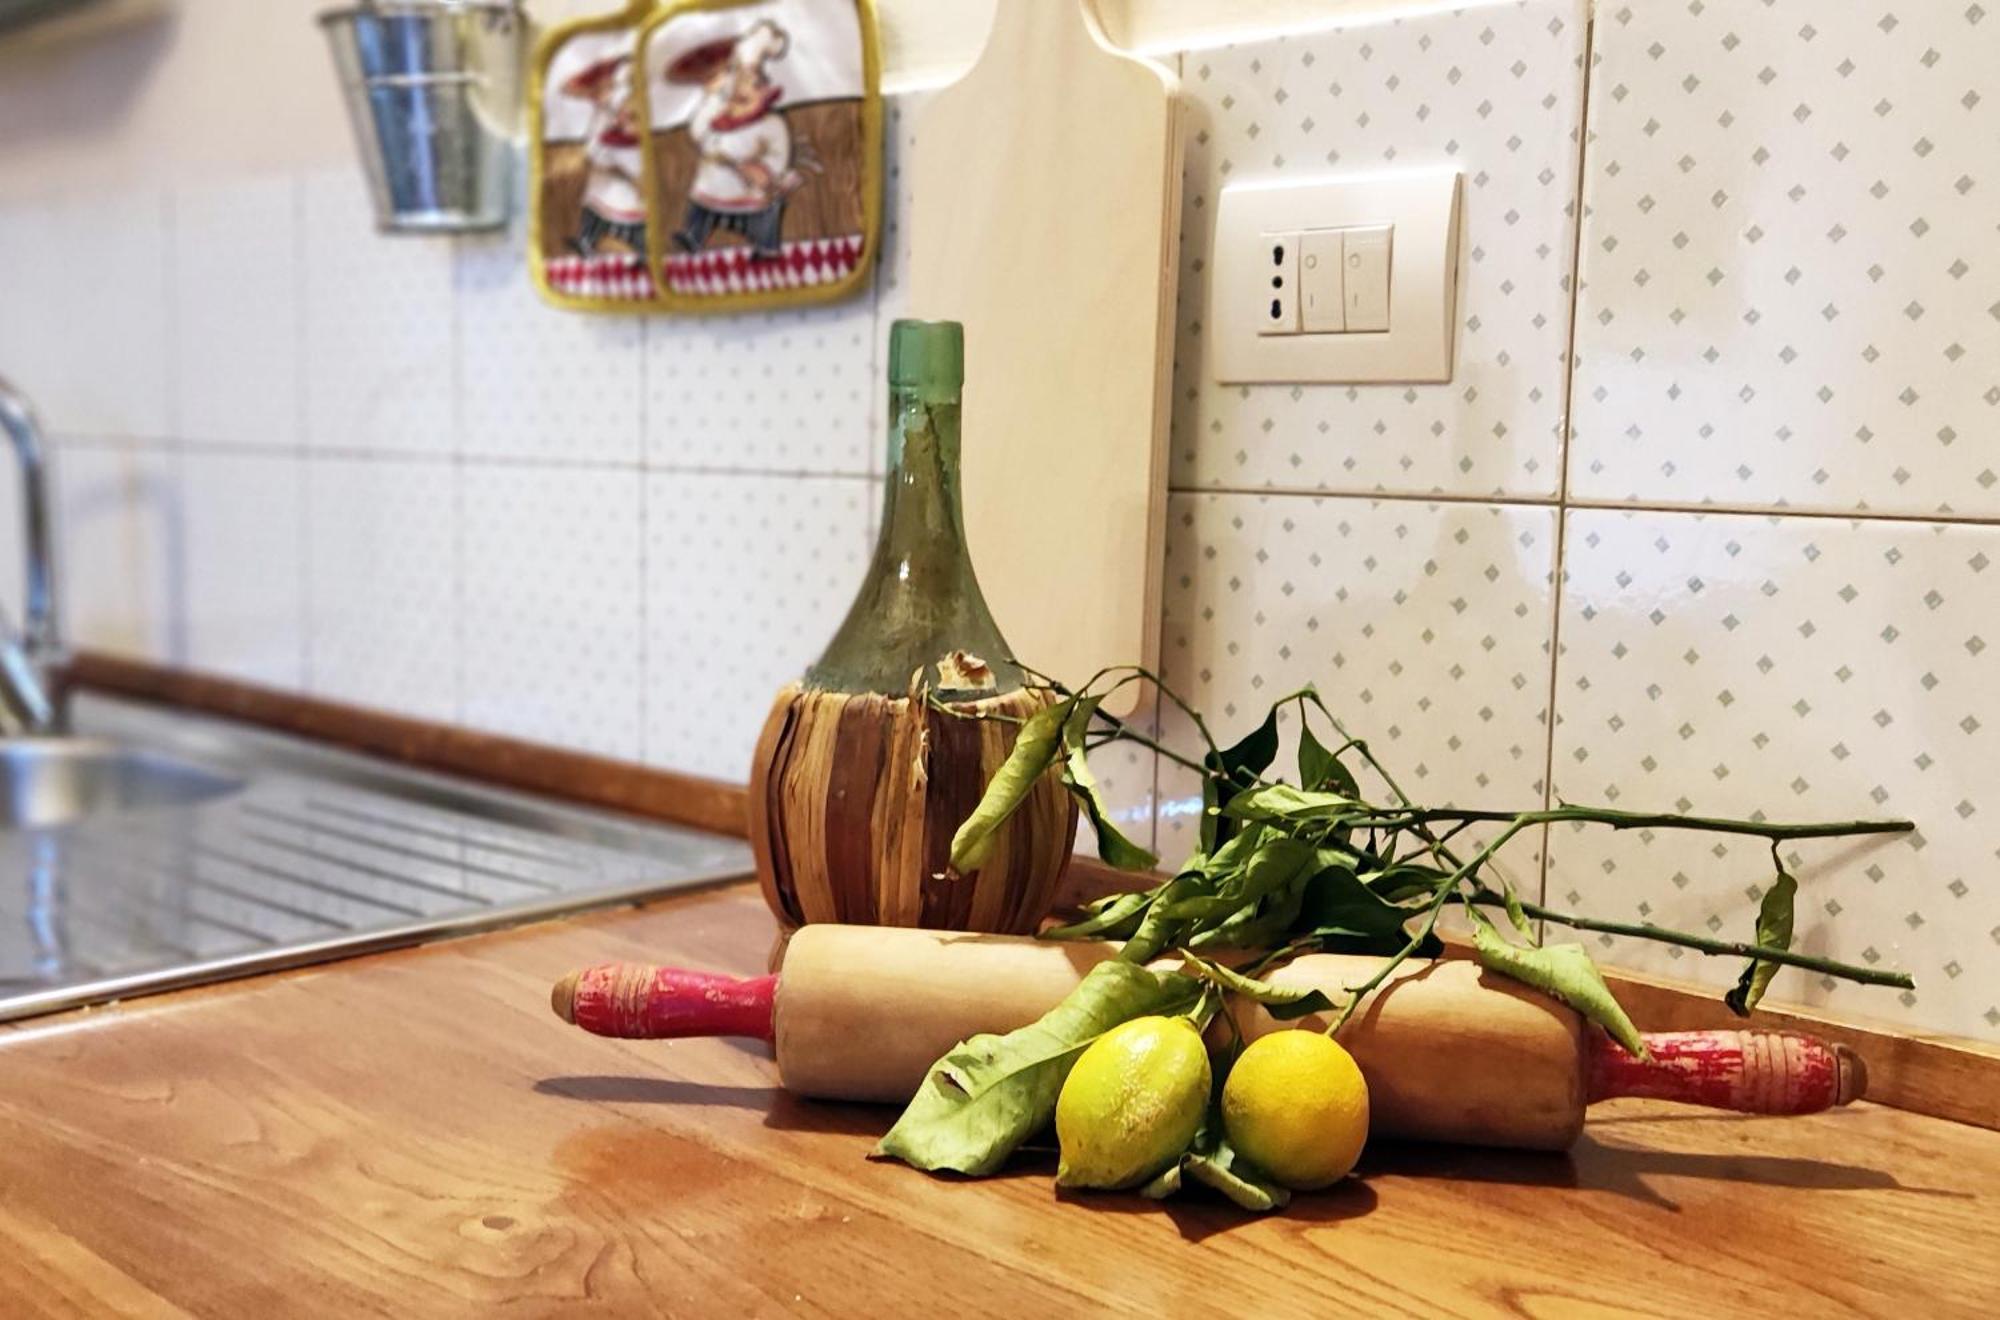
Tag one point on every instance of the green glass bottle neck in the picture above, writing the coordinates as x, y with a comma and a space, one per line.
920, 602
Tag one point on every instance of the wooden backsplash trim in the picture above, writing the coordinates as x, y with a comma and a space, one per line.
510, 762
1947, 1077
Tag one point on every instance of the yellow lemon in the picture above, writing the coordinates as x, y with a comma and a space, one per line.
1295, 1105
1131, 1104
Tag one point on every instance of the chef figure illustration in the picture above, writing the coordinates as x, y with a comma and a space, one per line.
614, 202
745, 166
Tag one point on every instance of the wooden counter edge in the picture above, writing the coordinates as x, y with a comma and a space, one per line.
1947, 1077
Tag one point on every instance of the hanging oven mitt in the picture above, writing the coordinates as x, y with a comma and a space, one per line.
707, 155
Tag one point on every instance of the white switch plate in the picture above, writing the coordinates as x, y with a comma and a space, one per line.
1421, 206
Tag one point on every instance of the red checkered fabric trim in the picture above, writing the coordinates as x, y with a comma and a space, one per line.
617, 275
718, 271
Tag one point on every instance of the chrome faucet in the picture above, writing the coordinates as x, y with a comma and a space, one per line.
31, 689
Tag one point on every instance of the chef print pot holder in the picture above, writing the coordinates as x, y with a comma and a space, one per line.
706, 156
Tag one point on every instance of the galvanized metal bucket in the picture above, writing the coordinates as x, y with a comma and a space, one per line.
433, 88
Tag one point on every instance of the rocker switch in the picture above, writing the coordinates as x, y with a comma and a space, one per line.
1322, 306
1366, 277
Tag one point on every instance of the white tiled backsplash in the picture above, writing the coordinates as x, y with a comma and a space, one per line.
378, 470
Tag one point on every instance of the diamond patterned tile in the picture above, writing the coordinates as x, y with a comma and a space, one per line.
1495, 91
1790, 296
1424, 626
382, 583
120, 535
537, 382
378, 318
771, 392
242, 582
552, 605
85, 327
770, 564
236, 343
1805, 668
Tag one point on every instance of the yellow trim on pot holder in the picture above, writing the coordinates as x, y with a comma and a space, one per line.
645, 17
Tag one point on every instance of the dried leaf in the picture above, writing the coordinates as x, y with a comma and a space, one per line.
991, 1093
1774, 930
1284, 804
1115, 920
1279, 860
1235, 1178
1035, 748
1562, 970
1283, 1002
1515, 913
1113, 848
1157, 929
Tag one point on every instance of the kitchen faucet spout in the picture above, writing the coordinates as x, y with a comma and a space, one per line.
30, 659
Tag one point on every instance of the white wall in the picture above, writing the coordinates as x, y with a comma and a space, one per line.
174, 91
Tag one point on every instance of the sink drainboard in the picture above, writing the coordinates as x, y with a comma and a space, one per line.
317, 855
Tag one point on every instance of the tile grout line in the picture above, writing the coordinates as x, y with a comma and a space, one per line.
1595, 505
169, 216
645, 546
1408, 497
105, 441
1160, 661
1567, 435
180, 626
301, 350
455, 419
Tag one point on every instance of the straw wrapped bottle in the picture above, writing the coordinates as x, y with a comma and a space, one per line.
867, 766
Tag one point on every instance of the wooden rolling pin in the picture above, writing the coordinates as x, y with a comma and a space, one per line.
1451, 1052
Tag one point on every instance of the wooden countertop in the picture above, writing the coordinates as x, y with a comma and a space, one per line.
414, 1133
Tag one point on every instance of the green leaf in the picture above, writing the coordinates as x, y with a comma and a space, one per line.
1336, 897
990, 1093
1283, 1002
1035, 748
1279, 860
1256, 750
1113, 848
1228, 1173
1246, 759
1400, 882
1258, 925
1115, 920
1562, 970
1208, 875
1774, 930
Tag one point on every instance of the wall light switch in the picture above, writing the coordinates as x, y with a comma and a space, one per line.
1322, 306
1275, 287
1396, 240
1366, 277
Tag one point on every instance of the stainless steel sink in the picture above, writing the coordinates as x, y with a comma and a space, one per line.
45, 782
158, 849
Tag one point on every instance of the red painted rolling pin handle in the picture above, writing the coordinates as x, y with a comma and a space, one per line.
1752, 1072
637, 1002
